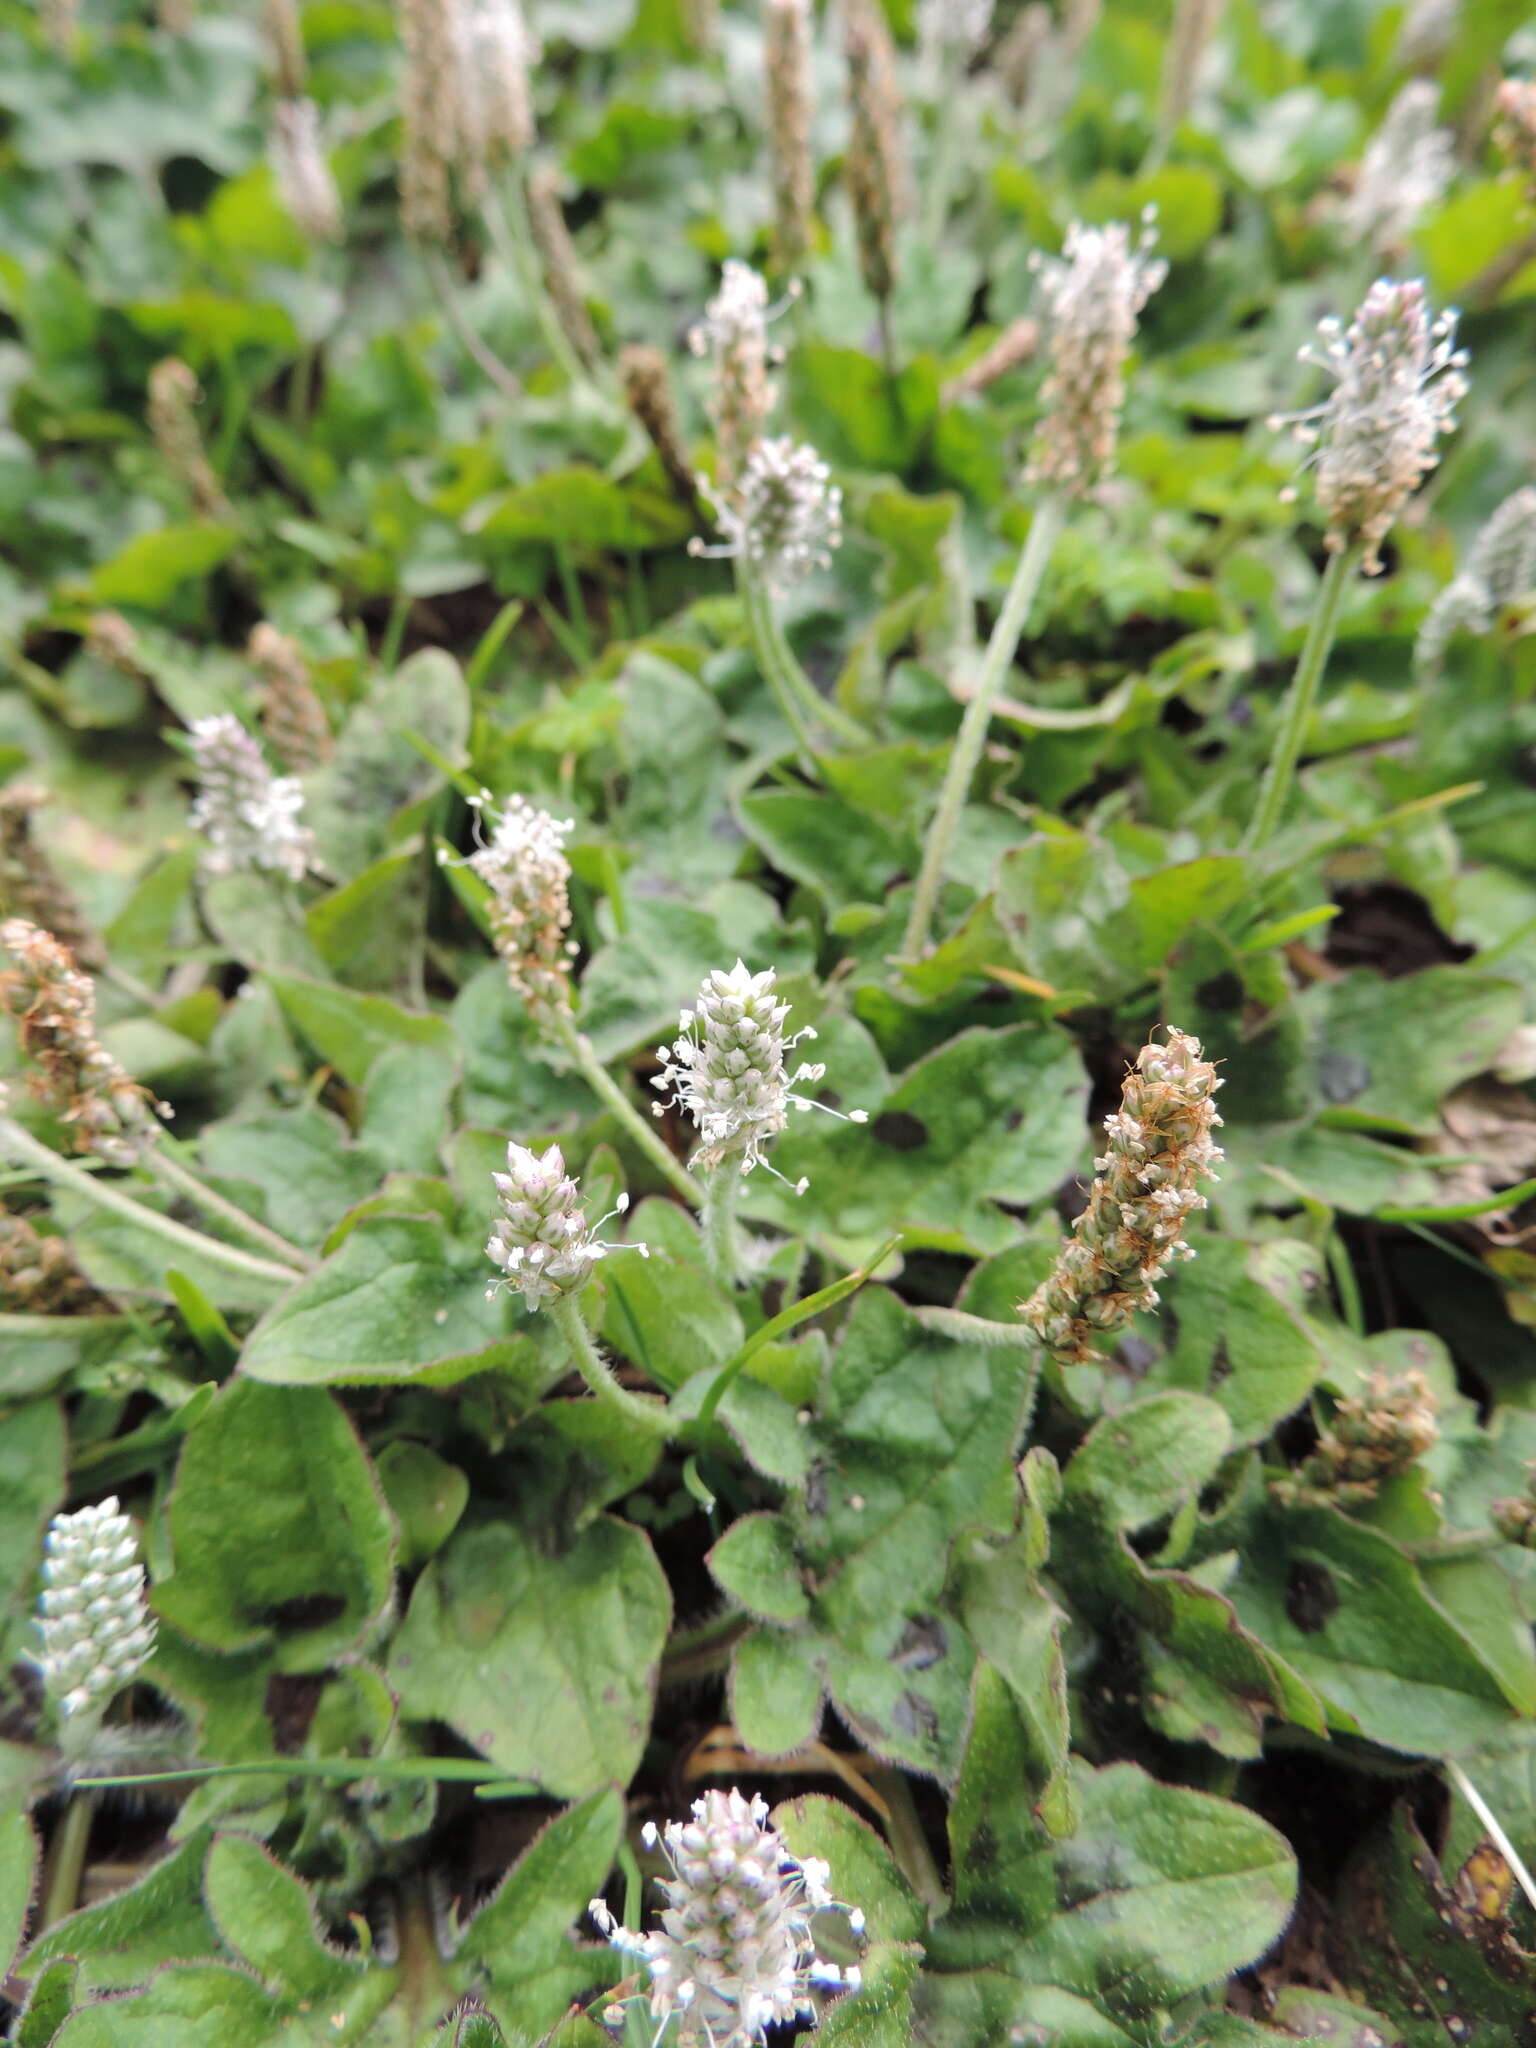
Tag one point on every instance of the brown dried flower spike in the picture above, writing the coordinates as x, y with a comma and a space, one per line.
54, 1006
1144, 1190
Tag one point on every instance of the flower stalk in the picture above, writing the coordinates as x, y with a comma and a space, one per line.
1322, 630
19, 1144
1050, 517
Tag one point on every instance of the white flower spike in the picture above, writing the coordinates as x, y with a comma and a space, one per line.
727, 1070
784, 518
542, 1242
523, 864
1397, 378
735, 1953
248, 815
96, 1630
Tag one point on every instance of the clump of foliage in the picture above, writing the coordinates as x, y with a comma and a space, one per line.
675, 718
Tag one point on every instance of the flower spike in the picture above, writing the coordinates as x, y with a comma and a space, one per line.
727, 1070
736, 1952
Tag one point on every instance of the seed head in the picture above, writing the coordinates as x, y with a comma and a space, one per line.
1407, 165
542, 1242
1093, 294
1515, 1519
441, 127
1145, 1188
293, 720
735, 1953
173, 393
959, 25
96, 1630
248, 815
1194, 24
560, 265
1428, 29
727, 1070
786, 516
523, 864
1397, 377
1500, 567
734, 333
38, 1275
1373, 1436
787, 63
874, 167
303, 176
647, 385
1015, 345
54, 1006
503, 50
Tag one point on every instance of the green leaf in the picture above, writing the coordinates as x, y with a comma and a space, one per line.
987, 2009
32, 1452
1017, 1628
398, 1300
307, 1171
1161, 1891
149, 570
1346, 1610
999, 1843
544, 1663
582, 508
668, 1316
18, 1875
754, 1562
1233, 1340
426, 1496
521, 1937
278, 1527
1386, 1053
268, 1919
992, 1116
1138, 1466
350, 1030
855, 413
864, 1873
122, 1939
776, 1691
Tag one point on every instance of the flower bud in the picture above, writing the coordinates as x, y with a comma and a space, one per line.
1372, 1436
523, 864
874, 166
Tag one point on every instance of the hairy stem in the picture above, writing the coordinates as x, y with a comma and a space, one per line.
996, 662
1297, 714
720, 1192
484, 358
830, 713
754, 600
589, 1362
15, 1143
645, 1135
174, 1175
513, 238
